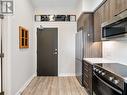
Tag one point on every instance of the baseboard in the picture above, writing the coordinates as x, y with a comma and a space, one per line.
66, 74
25, 85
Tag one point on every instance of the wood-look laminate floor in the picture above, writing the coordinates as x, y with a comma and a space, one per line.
54, 86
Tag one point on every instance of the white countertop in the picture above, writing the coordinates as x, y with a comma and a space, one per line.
125, 80
98, 60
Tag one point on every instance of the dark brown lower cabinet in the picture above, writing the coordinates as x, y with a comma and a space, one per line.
87, 77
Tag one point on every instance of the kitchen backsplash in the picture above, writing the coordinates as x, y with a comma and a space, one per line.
115, 50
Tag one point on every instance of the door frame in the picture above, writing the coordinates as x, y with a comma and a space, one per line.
40, 26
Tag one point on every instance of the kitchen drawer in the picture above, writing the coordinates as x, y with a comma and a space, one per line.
86, 66
86, 77
85, 83
88, 86
86, 70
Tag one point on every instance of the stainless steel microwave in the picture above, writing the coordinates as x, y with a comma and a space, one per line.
117, 27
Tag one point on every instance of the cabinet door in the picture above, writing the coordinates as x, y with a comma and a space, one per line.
120, 6
97, 24
88, 29
125, 2
79, 24
106, 12
117, 7
113, 7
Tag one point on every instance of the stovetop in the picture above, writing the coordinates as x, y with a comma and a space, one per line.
116, 68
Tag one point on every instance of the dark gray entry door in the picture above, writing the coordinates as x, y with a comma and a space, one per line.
47, 52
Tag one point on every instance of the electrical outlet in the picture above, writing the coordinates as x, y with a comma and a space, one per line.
108, 53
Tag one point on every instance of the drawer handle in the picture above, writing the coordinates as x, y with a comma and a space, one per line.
86, 70
86, 75
86, 83
86, 64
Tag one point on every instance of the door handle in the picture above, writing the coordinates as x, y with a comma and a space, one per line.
1, 55
56, 49
55, 53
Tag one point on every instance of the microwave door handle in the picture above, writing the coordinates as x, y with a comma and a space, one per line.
108, 84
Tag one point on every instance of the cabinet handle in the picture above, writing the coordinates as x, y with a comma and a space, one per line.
120, 12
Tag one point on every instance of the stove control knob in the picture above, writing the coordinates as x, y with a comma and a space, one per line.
103, 73
111, 78
116, 81
94, 68
100, 72
97, 70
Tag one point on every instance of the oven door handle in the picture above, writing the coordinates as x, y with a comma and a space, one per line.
108, 85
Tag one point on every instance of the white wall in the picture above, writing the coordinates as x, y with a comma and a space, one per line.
58, 11
21, 66
96, 3
66, 45
79, 8
87, 6
90, 5
115, 50
55, 6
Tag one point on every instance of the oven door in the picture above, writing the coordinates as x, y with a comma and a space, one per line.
100, 87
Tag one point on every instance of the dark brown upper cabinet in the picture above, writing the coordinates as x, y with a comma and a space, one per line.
106, 11
117, 7
98, 19
121, 6
112, 6
86, 24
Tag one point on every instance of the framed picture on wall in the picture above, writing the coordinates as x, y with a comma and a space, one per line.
23, 37
55, 18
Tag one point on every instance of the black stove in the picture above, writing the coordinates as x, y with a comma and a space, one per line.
111, 77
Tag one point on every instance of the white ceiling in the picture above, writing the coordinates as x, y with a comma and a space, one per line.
55, 4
